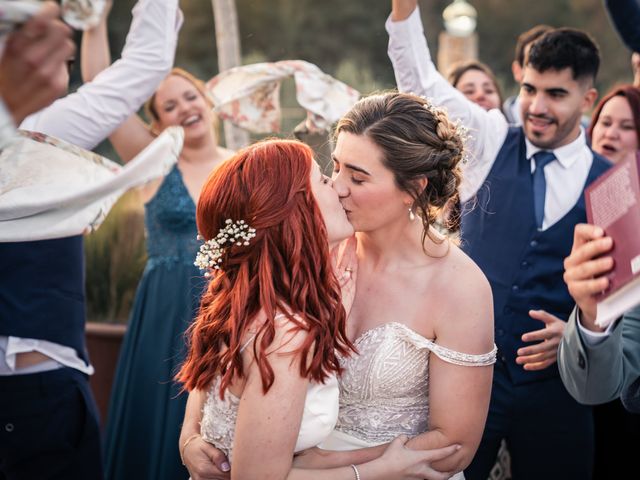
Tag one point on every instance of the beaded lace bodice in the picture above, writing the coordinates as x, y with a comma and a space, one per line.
384, 391
170, 222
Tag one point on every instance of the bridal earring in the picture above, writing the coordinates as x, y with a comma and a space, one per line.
412, 216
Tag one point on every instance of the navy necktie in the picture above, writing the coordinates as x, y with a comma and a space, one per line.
542, 158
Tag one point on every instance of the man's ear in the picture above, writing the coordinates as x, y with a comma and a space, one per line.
516, 70
590, 97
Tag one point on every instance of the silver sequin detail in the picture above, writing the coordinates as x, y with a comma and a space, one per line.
384, 391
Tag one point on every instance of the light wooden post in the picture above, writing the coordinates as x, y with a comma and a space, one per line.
228, 46
452, 49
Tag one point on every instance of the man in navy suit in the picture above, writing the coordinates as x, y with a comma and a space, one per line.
523, 194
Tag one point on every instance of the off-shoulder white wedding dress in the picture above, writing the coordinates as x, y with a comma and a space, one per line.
318, 419
384, 391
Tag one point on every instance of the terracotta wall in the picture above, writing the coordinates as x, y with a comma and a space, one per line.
103, 343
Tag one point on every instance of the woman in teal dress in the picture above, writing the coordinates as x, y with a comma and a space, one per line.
146, 409
146, 405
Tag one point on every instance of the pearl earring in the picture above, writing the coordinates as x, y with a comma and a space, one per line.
412, 216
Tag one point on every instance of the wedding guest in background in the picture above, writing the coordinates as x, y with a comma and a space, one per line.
511, 106
615, 124
146, 407
477, 82
525, 192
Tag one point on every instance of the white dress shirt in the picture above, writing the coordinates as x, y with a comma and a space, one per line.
415, 72
590, 337
90, 115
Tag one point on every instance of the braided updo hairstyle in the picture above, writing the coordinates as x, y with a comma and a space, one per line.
417, 141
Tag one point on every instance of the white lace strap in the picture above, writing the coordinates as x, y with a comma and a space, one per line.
464, 359
444, 353
248, 342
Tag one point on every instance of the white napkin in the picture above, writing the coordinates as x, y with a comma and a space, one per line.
52, 189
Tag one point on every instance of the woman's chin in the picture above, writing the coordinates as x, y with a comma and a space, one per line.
196, 135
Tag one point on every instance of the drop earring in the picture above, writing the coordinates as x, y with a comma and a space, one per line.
412, 216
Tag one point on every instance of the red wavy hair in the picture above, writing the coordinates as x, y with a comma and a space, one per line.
286, 268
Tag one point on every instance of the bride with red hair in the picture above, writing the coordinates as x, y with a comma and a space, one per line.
266, 342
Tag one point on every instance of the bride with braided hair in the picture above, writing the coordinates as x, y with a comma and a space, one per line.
422, 315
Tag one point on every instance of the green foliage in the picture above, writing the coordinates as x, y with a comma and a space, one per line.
115, 258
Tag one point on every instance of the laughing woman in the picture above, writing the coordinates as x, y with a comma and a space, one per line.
146, 408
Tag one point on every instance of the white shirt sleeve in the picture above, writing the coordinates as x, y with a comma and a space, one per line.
593, 338
415, 73
91, 114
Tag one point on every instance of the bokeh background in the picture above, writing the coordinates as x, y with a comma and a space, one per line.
345, 38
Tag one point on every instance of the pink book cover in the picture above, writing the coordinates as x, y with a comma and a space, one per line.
613, 203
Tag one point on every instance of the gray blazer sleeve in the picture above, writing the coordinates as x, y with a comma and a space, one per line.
631, 394
599, 373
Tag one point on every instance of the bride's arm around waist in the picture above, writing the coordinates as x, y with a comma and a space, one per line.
459, 385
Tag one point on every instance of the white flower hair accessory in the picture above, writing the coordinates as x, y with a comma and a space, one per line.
211, 251
461, 130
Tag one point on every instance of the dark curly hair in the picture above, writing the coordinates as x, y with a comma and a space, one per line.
566, 48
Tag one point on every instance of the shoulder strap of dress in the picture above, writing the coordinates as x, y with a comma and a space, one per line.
464, 359
252, 337
444, 353
248, 342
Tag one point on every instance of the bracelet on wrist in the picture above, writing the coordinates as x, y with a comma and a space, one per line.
184, 445
355, 471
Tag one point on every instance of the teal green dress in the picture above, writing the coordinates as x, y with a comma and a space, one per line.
147, 408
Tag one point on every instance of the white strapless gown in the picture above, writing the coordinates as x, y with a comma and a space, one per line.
319, 415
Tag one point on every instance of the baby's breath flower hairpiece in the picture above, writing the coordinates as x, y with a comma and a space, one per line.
211, 251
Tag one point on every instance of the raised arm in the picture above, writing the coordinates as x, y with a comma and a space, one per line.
95, 53
415, 73
91, 114
131, 136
